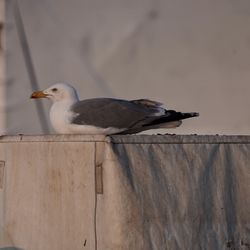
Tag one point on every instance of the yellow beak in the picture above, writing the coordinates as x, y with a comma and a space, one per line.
38, 94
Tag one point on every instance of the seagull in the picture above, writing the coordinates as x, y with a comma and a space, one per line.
106, 116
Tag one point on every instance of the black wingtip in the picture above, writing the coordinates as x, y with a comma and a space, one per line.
187, 115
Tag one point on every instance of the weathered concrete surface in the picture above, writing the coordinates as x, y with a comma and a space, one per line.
157, 192
175, 192
49, 193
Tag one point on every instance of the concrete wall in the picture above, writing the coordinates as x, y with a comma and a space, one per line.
124, 192
191, 55
48, 194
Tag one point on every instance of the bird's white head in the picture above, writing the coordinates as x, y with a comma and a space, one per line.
58, 92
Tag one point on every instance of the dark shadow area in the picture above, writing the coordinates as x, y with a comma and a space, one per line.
11, 248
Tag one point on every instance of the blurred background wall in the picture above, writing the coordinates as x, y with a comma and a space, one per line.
2, 71
192, 55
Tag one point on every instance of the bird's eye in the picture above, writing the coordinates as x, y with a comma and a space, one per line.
54, 89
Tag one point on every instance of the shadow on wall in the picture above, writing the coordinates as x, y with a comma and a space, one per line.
10, 248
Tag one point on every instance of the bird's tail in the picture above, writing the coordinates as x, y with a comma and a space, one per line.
172, 116
171, 119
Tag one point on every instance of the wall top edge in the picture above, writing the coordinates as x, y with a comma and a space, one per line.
132, 139
52, 138
181, 139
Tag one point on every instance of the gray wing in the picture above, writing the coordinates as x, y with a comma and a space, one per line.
109, 112
147, 103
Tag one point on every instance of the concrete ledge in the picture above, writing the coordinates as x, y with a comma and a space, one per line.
132, 139
52, 138
180, 139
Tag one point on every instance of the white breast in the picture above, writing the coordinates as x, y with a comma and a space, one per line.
60, 117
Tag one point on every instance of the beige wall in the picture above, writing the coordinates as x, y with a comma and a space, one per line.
192, 55
158, 192
48, 202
